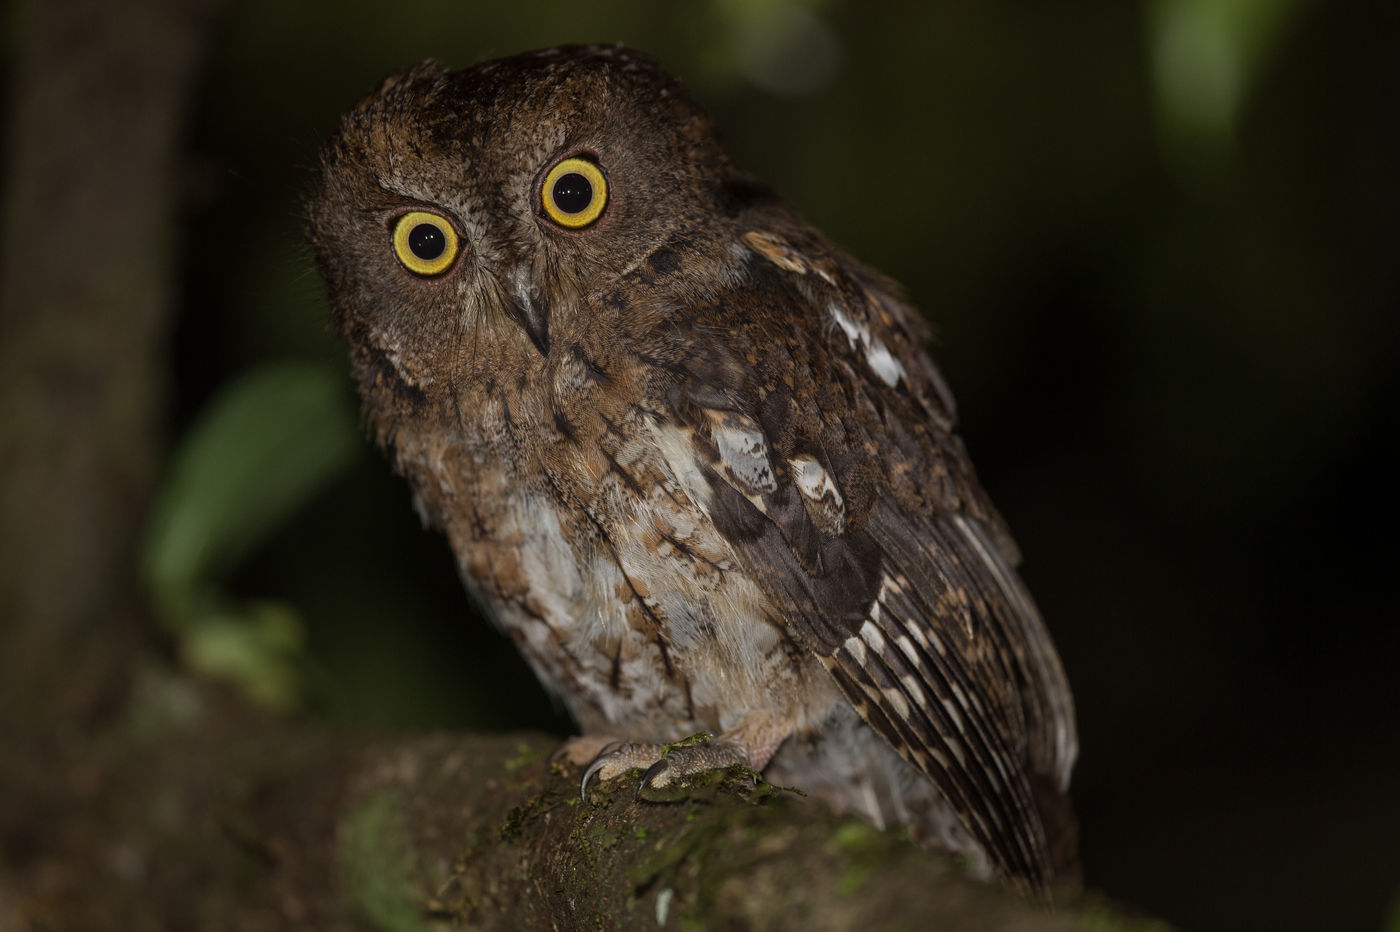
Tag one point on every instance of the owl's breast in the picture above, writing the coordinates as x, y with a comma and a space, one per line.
596, 558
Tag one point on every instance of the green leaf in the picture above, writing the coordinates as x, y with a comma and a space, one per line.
262, 448
1205, 56
257, 646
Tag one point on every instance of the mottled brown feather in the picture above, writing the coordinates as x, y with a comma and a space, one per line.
693, 459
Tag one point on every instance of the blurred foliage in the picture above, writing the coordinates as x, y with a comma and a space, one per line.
1157, 240
267, 443
1205, 54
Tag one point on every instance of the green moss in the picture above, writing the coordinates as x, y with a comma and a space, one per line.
519, 816
699, 738
375, 864
855, 836
863, 847
524, 755
510, 825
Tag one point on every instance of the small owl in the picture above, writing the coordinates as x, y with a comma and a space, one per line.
693, 458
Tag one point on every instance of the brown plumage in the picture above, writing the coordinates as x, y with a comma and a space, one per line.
693, 458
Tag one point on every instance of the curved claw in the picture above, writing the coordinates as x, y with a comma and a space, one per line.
654, 771
593, 768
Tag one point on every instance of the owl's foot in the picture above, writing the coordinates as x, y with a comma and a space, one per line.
666, 768
581, 750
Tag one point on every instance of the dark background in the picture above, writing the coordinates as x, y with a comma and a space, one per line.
1158, 244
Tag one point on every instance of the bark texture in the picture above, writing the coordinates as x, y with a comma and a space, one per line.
191, 812
98, 95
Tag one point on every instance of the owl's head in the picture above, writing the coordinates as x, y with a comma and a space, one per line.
466, 218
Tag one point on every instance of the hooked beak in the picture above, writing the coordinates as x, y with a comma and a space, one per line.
530, 310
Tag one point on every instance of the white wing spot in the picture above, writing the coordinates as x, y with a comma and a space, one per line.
914, 688
877, 356
872, 636
884, 364
853, 333
679, 453
744, 451
813, 481
955, 714
856, 648
896, 701
821, 496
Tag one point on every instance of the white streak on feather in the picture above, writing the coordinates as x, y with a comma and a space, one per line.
856, 648
916, 689
813, 481
877, 356
679, 453
743, 451
895, 700
853, 333
955, 714
872, 636
1046, 661
884, 364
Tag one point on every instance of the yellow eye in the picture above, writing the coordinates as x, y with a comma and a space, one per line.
575, 193
425, 243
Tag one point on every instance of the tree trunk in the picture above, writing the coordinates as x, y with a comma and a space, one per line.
98, 95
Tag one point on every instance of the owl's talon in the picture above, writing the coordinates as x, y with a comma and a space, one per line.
649, 778
588, 775
666, 769
605, 756
616, 759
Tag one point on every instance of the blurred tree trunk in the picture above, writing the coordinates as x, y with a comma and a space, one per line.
98, 98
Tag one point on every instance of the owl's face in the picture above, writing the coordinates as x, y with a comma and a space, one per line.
468, 218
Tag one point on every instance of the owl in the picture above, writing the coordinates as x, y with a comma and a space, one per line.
692, 458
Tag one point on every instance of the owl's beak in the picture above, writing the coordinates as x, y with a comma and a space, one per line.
530, 309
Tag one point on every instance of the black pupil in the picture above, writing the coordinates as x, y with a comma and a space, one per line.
573, 193
426, 241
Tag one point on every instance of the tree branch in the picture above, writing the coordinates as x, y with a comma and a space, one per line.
196, 813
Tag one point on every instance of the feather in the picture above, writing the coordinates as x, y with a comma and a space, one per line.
852, 503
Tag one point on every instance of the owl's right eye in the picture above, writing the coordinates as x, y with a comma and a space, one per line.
426, 244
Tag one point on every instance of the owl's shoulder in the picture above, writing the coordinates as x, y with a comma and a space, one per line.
768, 328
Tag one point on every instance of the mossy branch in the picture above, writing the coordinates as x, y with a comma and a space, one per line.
191, 811
485, 833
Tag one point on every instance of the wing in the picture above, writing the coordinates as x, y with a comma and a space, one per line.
834, 471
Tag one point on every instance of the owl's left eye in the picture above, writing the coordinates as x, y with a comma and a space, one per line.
574, 193
425, 243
